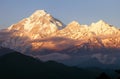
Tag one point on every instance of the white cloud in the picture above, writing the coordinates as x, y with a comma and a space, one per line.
103, 58
53, 56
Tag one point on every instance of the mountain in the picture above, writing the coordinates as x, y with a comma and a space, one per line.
102, 27
40, 22
16, 65
4, 51
47, 38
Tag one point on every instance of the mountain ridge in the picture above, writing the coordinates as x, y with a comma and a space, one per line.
43, 36
40, 22
16, 65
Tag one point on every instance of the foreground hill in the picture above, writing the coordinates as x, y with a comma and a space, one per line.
4, 51
17, 65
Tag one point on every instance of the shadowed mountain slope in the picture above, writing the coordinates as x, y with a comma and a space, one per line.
17, 65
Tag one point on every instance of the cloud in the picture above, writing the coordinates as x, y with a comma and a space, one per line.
103, 58
53, 56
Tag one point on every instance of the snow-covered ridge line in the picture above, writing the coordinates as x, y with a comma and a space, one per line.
42, 34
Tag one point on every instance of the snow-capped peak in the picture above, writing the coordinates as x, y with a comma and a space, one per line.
101, 27
39, 22
73, 24
102, 23
39, 13
99, 23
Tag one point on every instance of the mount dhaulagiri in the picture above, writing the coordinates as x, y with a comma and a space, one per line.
47, 38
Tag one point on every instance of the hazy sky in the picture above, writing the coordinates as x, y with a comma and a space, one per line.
84, 11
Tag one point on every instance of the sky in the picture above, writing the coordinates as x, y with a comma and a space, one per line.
83, 11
